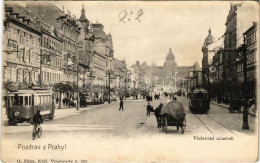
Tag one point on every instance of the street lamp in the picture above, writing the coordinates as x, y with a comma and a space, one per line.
182, 84
175, 81
245, 110
108, 73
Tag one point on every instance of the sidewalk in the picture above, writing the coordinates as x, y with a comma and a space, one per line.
223, 105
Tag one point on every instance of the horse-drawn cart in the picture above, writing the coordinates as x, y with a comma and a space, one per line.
173, 114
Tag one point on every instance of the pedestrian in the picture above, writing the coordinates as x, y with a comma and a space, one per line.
149, 109
57, 100
121, 105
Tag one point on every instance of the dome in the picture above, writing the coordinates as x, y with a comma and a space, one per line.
99, 34
98, 31
209, 38
144, 64
170, 56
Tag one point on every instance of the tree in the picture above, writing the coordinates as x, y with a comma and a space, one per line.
10, 86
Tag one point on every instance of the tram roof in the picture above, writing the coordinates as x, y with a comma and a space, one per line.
32, 91
197, 90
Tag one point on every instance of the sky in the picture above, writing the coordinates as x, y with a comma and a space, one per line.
181, 26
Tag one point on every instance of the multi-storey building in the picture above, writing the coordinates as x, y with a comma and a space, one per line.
239, 19
68, 26
252, 50
166, 77
21, 45
212, 63
50, 54
102, 58
205, 60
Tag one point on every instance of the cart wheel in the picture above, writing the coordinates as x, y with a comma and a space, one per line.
165, 127
183, 125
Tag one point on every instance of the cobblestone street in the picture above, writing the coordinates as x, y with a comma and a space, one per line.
93, 126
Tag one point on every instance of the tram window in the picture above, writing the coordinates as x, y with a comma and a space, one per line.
40, 100
46, 99
20, 100
30, 100
26, 100
33, 100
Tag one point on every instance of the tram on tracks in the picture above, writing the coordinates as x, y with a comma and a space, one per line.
199, 101
23, 104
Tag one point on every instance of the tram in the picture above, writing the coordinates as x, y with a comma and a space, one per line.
23, 104
199, 101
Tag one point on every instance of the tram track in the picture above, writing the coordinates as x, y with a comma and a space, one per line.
203, 123
210, 123
212, 126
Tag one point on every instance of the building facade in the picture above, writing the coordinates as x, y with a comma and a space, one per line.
50, 55
21, 45
68, 27
168, 77
252, 50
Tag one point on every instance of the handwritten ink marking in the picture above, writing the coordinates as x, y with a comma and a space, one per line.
139, 14
123, 14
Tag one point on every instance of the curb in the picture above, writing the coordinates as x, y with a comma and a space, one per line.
226, 106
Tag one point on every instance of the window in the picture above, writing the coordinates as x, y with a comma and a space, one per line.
20, 101
21, 39
32, 40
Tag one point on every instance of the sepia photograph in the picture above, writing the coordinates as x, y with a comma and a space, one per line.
129, 81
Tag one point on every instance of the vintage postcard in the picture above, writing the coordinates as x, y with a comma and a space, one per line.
130, 81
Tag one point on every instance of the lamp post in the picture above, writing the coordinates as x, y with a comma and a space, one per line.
175, 80
245, 111
78, 86
109, 73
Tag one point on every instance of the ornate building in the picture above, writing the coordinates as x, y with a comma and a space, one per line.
96, 53
166, 77
205, 59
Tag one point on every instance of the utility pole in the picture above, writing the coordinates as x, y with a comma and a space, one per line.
175, 81
78, 86
209, 93
40, 68
109, 87
245, 111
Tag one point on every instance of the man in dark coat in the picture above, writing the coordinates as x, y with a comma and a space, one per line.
37, 120
149, 109
121, 105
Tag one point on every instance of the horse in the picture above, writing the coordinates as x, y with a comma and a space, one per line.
157, 114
